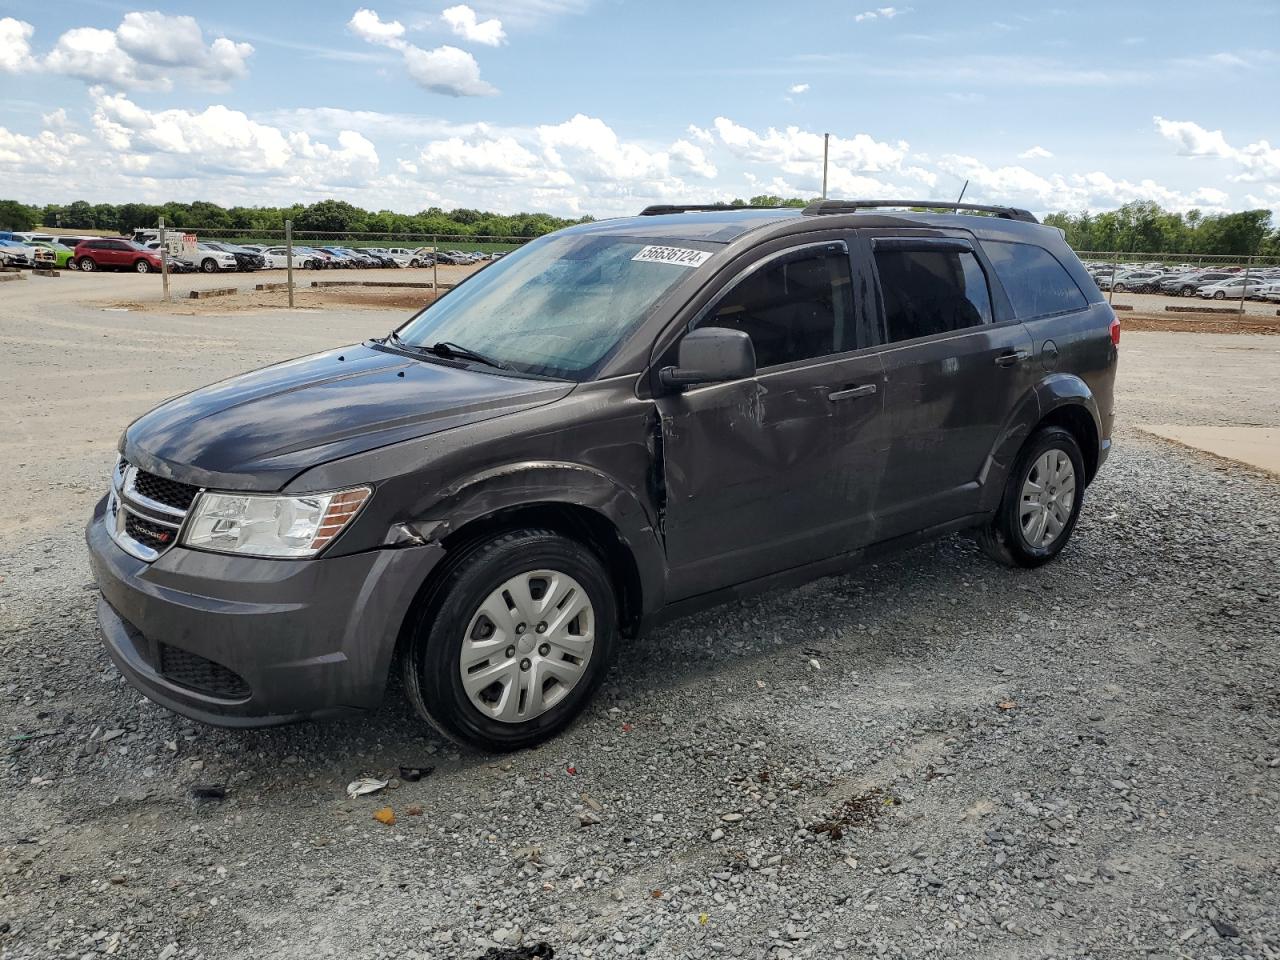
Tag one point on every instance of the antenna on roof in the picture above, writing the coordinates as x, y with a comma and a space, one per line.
962, 190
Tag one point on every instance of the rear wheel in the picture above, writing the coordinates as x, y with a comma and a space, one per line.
1120, 288
87, 265
512, 642
71, 264
1041, 502
1188, 291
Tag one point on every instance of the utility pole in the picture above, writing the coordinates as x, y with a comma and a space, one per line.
164, 261
288, 256
826, 152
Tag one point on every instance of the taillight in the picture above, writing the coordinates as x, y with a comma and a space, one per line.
1115, 331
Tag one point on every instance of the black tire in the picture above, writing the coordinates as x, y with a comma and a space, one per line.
142, 266
430, 666
71, 264
1120, 288
87, 264
1188, 291
1219, 294
209, 265
1003, 539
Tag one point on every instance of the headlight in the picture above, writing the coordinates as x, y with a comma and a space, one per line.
271, 526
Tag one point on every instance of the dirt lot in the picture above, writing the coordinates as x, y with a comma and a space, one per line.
932, 756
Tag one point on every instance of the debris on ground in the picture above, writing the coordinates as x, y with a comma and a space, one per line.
365, 785
208, 791
385, 815
414, 774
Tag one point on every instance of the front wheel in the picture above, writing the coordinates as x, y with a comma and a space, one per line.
1120, 288
1041, 502
512, 642
1188, 291
1219, 295
142, 266
209, 265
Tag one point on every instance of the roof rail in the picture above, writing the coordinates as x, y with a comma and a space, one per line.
658, 209
819, 207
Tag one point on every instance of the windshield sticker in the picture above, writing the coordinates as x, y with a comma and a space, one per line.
677, 256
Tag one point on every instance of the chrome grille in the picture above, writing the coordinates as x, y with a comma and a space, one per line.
145, 512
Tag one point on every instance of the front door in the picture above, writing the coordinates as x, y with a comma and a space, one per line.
778, 470
956, 366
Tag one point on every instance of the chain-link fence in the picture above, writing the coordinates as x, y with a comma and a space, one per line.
1234, 279
195, 248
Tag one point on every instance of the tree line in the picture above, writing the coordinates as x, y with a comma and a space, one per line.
330, 216
1137, 227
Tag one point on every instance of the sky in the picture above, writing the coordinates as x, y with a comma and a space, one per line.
603, 106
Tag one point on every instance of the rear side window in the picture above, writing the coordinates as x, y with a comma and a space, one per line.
1037, 284
926, 292
797, 307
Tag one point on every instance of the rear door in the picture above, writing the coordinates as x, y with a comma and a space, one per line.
780, 469
956, 362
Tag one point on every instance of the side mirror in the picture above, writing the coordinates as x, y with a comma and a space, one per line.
711, 355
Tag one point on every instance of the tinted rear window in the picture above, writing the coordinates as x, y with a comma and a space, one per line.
1037, 284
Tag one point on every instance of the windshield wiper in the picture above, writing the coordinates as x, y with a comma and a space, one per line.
449, 350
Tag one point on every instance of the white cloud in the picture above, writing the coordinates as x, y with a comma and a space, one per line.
1257, 162
445, 70
881, 13
1035, 153
367, 25
798, 88
1192, 139
463, 21
15, 45
55, 119
149, 51
219, 140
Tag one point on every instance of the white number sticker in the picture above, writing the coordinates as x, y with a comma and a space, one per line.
676, 256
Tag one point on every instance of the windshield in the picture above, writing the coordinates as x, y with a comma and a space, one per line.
558, 306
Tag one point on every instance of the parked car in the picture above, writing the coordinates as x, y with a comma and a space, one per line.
342, 258
277, 258
1231, 288
319, 259
115, 253
211, 259
617, 423
1134, 281
246, 260
13, 253
1186, 284
177, 263
53, 254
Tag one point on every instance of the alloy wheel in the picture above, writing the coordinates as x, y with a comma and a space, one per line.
1048, 498
527, 645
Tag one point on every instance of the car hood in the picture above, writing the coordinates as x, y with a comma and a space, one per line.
260, 430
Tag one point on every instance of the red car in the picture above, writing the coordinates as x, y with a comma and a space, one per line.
115, 253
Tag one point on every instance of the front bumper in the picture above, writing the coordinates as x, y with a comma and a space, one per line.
273, 640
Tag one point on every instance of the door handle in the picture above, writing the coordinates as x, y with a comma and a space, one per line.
1012, 358
866, 390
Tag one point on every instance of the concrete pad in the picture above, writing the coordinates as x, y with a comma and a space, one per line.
1255, 446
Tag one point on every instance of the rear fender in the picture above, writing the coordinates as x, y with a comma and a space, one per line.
1055, 391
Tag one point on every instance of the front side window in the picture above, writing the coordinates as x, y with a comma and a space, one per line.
930, 291
796, 307
560, 305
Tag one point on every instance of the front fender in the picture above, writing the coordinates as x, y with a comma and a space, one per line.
541, 483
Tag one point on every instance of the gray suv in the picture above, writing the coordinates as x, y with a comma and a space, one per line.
616, 424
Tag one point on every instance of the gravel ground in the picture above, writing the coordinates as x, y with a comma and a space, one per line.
931, 756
